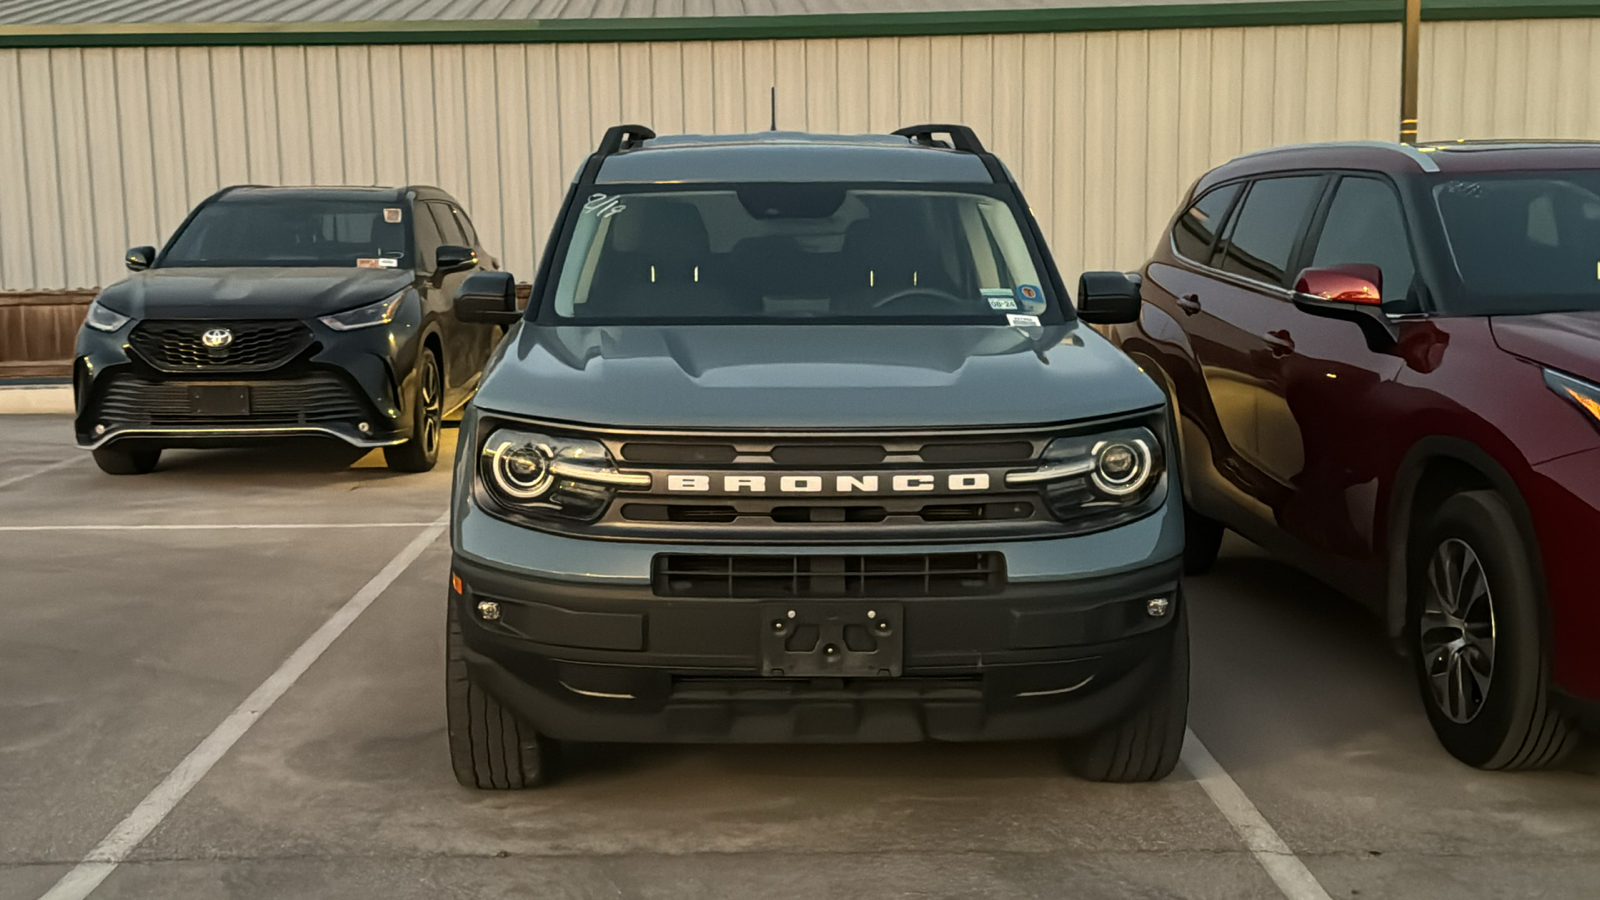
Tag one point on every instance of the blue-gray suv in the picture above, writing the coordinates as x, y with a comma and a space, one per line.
800, 438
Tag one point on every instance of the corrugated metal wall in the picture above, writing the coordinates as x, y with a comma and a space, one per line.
103, 148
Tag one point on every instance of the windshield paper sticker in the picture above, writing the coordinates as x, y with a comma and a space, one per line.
383, 263
1022, 321
603, 206
391, 215
1030, 297
1002, 303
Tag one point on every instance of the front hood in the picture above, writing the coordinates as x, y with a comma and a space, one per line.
261, 293
1567, 341
813, 376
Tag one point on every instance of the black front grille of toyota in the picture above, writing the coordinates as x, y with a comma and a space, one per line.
318, 398
886, 576
179, 346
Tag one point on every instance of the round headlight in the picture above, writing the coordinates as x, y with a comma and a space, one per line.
522, 471
1121, 467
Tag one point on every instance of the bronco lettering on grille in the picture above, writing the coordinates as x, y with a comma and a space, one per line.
900, 483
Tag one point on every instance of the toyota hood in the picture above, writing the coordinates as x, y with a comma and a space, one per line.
812, 376
252, 293
1567, 341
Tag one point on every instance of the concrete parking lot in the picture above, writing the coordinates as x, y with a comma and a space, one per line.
139, 614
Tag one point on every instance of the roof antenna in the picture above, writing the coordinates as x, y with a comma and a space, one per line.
774, 107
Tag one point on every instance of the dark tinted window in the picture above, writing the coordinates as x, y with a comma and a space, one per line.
1365, 225
449, 229
466, 225
1524, 242
1197, 228
428, 238
258, 231
1263, 233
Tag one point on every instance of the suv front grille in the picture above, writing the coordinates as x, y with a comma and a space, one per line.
177, 346
782, 577
318, 398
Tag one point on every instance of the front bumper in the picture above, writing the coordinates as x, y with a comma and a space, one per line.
343, 387
615, 663
1564, 498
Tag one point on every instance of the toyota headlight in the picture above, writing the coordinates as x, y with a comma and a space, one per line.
1584, 395
548, 476
102, 319
1099, 480
380, 313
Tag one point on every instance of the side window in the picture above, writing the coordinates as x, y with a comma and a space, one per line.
1263, 233
449, 229
1197, 227
1365, 225
428, 239
465, 225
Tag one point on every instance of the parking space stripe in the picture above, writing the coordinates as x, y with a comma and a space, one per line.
1270, 850
234, 526
159, 803
61, 464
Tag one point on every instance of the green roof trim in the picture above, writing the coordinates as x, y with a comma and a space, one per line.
832, 25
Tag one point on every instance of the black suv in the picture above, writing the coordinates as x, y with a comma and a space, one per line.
282, 312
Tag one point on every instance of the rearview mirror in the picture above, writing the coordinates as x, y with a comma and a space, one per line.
140, 258
1351, 292
489, 297
1108, 298
453, 258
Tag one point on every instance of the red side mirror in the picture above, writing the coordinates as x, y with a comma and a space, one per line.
1354, 283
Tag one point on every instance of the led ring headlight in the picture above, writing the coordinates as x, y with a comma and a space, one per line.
1121, 467
522, 471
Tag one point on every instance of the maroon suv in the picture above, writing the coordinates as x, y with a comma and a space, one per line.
1385, 362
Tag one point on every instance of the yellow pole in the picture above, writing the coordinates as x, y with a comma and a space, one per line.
1408, 72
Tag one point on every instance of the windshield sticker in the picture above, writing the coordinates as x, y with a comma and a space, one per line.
383, 263
1022, 321
603, 206
1002, 303
391, 215
1030, 297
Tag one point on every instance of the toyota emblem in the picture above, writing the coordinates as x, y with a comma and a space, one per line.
217, 338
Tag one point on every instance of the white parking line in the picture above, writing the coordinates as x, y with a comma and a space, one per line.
62, 464
1282, 866
236, 526
159, 803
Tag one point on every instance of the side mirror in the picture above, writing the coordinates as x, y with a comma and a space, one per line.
1351, 292
1109, 298
453, 258
488, 297
140, 258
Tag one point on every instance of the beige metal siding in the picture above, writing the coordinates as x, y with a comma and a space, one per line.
102, 148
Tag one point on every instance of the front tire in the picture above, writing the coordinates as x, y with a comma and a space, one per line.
1477, 638
1145, 746
490, 748
421, 452
114, 461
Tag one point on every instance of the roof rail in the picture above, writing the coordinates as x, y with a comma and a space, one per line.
1417, 156
623, 137
961, 137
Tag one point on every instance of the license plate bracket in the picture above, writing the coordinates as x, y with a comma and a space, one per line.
832, 639
219, 399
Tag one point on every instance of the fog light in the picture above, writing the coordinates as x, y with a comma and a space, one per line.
364, 428
100, 429
1158, 607
488, 610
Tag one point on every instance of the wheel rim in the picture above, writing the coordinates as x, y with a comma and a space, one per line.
432, 404
1458, 631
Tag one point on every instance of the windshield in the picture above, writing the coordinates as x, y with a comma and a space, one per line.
1523, 242
797, 253
297, 232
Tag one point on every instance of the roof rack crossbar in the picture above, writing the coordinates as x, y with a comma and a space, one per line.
961, 137
622, 137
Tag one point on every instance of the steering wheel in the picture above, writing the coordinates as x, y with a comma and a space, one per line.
935, 293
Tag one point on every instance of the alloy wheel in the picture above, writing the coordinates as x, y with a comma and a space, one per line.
1457, 631
432, 404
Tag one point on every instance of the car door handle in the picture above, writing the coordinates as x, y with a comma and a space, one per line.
1280, 342
1189, 303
